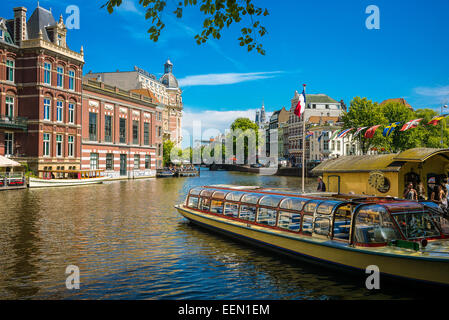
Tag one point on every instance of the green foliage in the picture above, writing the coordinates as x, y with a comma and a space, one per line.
167, 147
365, 113
217, 15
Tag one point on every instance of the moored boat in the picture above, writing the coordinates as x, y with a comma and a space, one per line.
404, 239
65, 178
164, 173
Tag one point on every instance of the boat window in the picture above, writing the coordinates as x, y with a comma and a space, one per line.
416, 225
307, 224
327, 207
293, 203
207, 192
270, 201
374, 225
216, 206
219, 195
247, 212
342, 222
251, 198
193, 202
205, 204
234, 196
267, 216
310, 206
289, 220
321, 226
231, 210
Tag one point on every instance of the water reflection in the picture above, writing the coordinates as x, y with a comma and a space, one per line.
130, 243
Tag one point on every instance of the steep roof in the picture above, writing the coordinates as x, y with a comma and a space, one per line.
399, 100
319, 98
39, 20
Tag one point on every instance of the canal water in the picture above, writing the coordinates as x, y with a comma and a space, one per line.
130, 243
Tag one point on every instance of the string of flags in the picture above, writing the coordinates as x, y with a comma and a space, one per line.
387, 131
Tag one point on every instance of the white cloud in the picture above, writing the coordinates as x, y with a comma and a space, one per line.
215, 79
433, 92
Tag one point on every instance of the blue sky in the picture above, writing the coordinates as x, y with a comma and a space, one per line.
322, 43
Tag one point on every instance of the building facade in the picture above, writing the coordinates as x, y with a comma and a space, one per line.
119, 132
278, 118
40, 84
165, 92
317, 105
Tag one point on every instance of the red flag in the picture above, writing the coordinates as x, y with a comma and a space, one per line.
371, 131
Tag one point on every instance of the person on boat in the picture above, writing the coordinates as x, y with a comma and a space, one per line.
439, 197
421, 191
446, 185
321, 185
410, 193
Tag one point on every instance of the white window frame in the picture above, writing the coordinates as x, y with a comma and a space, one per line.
47, 105
47, 72
59, 111
9, 106
71, 113
72, 80
46, 144
8, 67
60, 76
59, 151
71, 146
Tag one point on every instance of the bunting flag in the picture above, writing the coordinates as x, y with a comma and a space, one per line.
389, 129
358, 131
301, 102
335, 134
309, 134
343, 133
371, 131
411, 124
321, 135
437, 119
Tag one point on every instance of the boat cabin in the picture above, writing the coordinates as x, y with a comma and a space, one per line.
70, 174
369, 221
385, 174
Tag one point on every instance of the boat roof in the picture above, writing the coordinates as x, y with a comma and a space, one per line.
391, 162
6, 162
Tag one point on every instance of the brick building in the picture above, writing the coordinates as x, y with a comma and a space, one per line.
40, 84
119, 132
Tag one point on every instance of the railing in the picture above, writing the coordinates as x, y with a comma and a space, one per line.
13, 122
12, 180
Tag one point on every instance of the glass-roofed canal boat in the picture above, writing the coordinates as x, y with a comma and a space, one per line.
405, 239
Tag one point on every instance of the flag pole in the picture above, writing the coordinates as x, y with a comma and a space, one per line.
303, 145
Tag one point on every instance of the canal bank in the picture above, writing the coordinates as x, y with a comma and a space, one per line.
130, 243
281, 171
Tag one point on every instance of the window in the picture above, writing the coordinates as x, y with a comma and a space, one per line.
193, 202
416, 225
47, 73
342, 223
9, 143
60, 77
108, 128
122, 130
47, 109
59, 111
147, 161
46, 148
10, 107
307, 223
71, 80
71, 146
135, 132
374, 225
321, 226
10, 70
231, 210
109, 161
267, 216
59, 145
289, 220
92, 126
94, 161
59, 40
137, 161
146, 133
248, 212
2, 36
205, 204
216, 206
71, 113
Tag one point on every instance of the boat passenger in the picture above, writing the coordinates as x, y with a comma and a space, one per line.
421, 191
410, 193
321, 185
446, 184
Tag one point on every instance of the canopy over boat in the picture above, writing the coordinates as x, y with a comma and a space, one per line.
6, 162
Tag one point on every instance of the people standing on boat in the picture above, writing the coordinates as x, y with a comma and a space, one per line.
321, 185
439, 196
421, 191
410, 193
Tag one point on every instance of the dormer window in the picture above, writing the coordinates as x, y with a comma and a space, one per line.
2, 34
59, 40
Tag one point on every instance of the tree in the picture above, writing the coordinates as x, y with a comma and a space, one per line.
217, 15
167, 147
399, 140
364, 113
244, 124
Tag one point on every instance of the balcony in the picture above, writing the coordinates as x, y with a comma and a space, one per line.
13, 123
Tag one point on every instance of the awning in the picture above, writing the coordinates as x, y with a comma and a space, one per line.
5, 162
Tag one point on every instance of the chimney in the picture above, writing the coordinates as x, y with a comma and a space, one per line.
20, 24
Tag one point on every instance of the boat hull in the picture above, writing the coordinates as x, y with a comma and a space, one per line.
43, 183
329, 253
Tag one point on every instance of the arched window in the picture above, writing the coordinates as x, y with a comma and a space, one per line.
47, 73
71, 80
60, 76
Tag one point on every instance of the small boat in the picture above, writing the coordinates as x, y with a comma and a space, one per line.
187, 173
65, 178
408, 240
164, 173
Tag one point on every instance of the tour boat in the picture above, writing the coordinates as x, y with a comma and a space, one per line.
64, 178
404, 239
164, 173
